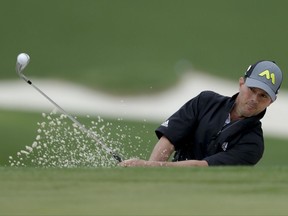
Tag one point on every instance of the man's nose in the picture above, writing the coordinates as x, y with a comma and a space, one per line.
255, 97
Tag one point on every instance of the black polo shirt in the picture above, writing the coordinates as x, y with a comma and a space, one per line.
197, 132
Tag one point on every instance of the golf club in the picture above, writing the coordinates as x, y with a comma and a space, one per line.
22, 61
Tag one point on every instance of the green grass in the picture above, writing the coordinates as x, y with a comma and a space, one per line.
17, 130
129, 46
275, 152
144, 191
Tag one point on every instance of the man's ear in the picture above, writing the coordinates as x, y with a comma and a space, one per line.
241, 81
272, 101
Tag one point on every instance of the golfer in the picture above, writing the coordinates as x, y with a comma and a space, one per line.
212, 129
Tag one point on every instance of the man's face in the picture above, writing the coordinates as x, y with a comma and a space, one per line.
251, 101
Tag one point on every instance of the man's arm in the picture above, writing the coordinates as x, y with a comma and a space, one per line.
144, 163
159, 156
162, 150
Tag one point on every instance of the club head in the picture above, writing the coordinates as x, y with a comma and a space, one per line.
22, 61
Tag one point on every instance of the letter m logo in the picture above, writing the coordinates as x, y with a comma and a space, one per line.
268, 76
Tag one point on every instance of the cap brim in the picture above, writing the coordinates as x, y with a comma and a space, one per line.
250, 82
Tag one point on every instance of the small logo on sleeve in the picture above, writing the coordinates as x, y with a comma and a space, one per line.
165, 124
224, 146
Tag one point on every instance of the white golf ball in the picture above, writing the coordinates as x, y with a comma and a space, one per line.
23, 59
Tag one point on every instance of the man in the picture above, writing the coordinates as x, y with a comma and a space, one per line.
212, 129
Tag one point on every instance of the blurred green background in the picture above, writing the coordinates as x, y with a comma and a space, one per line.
128, 46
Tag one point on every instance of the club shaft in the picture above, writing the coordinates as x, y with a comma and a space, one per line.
90, 133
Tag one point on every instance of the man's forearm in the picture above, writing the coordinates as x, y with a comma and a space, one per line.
162, 150
144, 163
187, 163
